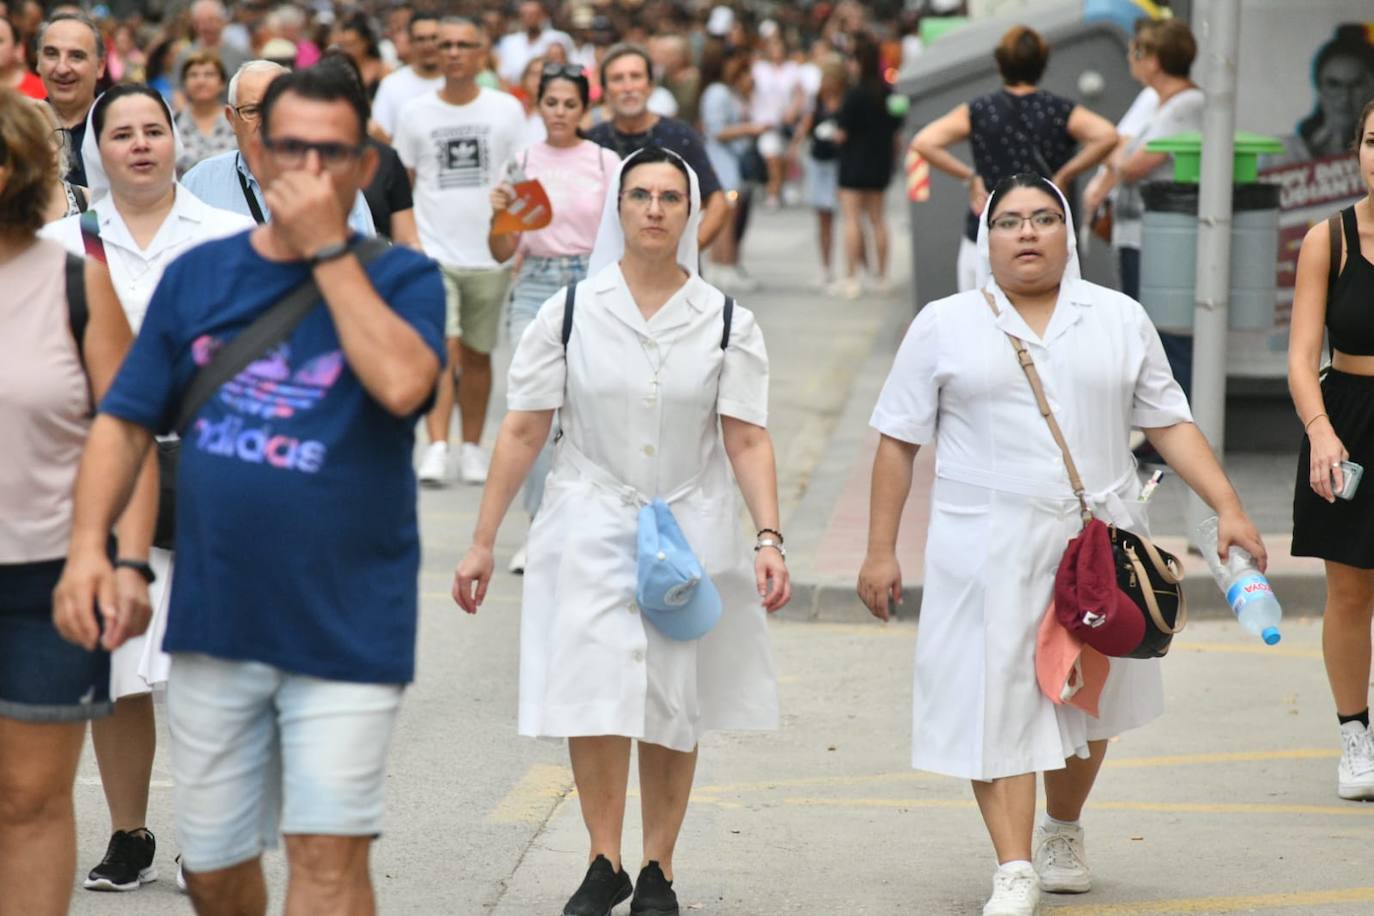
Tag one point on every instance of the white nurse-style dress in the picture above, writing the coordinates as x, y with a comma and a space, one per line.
639, 405
1002, 512
140, 664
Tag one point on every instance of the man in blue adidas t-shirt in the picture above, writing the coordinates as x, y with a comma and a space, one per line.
293, 615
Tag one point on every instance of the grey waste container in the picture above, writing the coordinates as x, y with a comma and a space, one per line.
1168, 255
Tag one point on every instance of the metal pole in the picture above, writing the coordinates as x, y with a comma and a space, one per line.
1217, 23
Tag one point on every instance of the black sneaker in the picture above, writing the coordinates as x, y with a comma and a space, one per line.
601, 890
653, 894
128, 862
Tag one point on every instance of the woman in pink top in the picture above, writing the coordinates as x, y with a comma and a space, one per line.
575, 174
62, 336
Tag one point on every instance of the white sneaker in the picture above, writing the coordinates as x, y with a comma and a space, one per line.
824, 280
181, 877
517, 562
730, 280
434, 466
1355, 773
1015, 891
850, 288
473, 463
1060, 860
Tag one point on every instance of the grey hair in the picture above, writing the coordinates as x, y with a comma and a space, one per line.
82, 18
463, 20
252, 66
286, 14
216, 4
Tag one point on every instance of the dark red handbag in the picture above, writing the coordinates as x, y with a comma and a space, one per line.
1114, 590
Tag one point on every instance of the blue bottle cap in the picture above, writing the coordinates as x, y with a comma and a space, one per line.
1270, 635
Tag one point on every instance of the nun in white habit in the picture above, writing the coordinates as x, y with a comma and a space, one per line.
145, 219
654, 400
1002, 512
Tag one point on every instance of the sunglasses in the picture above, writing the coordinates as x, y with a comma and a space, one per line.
566, 71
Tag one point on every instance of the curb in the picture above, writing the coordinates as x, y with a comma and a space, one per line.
1301, 594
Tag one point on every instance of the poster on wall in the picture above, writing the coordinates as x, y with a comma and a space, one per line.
1310, 98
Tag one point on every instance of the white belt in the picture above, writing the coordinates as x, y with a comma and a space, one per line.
1106, 504
599, 476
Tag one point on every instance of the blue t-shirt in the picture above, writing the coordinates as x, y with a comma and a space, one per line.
297, 543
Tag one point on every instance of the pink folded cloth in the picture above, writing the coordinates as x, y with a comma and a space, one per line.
1068, 671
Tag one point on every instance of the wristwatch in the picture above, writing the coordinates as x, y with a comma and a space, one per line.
329, 253
138, 566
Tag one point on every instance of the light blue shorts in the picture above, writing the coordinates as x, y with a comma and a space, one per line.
540, 278
257, 751
823, 184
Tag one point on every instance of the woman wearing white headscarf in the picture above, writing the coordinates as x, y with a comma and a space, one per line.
1002, 512
660, 395
144, 219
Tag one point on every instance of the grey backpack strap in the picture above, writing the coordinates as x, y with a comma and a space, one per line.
267, 330
727, 315
569, 301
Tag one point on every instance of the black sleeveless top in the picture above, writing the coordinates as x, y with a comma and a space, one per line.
1350, 307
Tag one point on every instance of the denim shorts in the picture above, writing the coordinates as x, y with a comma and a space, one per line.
540, 278
257, 751
44, 678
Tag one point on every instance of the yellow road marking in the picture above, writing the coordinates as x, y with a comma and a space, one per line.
1255, 648
1224, 904
1173, 760
1300, 753
1166, 807
528, 802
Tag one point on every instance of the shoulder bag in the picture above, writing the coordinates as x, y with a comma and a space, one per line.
1114, 590
267, 330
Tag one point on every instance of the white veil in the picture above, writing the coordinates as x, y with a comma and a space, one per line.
97, 181
610, 237
1072, 270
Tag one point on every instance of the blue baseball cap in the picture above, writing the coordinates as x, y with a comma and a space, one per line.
673, 591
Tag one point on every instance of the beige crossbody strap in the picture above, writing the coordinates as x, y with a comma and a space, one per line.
1023, 356
1148, 592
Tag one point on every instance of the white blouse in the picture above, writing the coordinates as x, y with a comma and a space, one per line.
136, 271
1100, 360
653, 436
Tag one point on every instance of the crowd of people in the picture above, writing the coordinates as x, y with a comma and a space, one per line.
253, 252
264, 148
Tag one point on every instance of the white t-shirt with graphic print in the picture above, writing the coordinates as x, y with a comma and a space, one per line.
458, 154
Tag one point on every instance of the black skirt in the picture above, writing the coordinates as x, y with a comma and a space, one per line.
1343, 531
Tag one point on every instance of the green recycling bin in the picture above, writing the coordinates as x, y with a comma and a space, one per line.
1168, 254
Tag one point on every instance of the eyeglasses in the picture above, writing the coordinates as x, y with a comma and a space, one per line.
1009, 223
642, 197
464, 46
566, 71
1140, 50
248, 112
291, 153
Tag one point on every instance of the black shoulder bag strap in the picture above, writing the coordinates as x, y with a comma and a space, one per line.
569, 301
78, 312
267, 330
248, 194
727, 316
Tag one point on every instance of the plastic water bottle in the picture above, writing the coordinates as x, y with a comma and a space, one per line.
1245, 587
